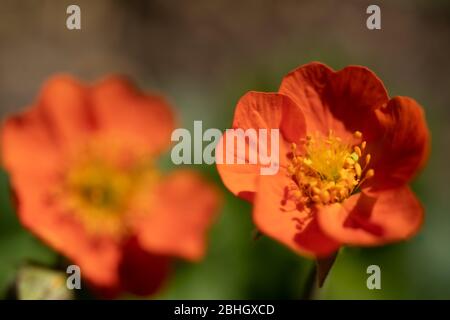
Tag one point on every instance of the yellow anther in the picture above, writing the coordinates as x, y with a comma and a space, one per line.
358, 169
342, 173
291, 170
333, 194
330, 184
363, 145
315, 198
325, 196
350, 161
357, 134
297, 194
369, 174
368, 157
358, 151
316, 190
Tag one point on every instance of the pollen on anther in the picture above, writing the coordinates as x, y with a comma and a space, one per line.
368, 157
358, 169
350, 161
370, 173
316, 190
357, 134
325, 196
363, 145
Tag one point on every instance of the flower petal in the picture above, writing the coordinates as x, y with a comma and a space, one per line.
38, 211
24, 137
281, 220
374, 219
184, 208
341, 101
403, 144
352, 94
305, 86
256, 111
125, 114
64, 102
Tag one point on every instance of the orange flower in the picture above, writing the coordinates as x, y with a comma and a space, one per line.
82, 162
347, 154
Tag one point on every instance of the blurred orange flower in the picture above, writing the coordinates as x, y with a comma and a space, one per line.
82, 162
347, 154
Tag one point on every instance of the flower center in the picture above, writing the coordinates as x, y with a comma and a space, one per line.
103, 191
328, 170
99, 186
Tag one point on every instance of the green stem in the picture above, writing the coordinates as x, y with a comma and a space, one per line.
310, 287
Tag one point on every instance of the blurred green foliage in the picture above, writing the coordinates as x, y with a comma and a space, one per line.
17, 246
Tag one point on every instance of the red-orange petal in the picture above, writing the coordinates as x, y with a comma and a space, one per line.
403, 143
305, 86
39, 212
184, 208
341, 101
375, 219
125, 114
64, 102
257, 110
280, 221
352, 95
25, 137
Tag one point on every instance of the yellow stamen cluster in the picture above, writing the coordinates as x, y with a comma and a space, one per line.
327, 170
100, 193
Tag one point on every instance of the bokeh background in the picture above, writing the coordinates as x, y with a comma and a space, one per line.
204, 55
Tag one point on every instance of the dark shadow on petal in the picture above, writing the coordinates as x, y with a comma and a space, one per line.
247, 195
359, 216
312, 238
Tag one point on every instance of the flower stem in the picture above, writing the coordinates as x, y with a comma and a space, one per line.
310, 286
